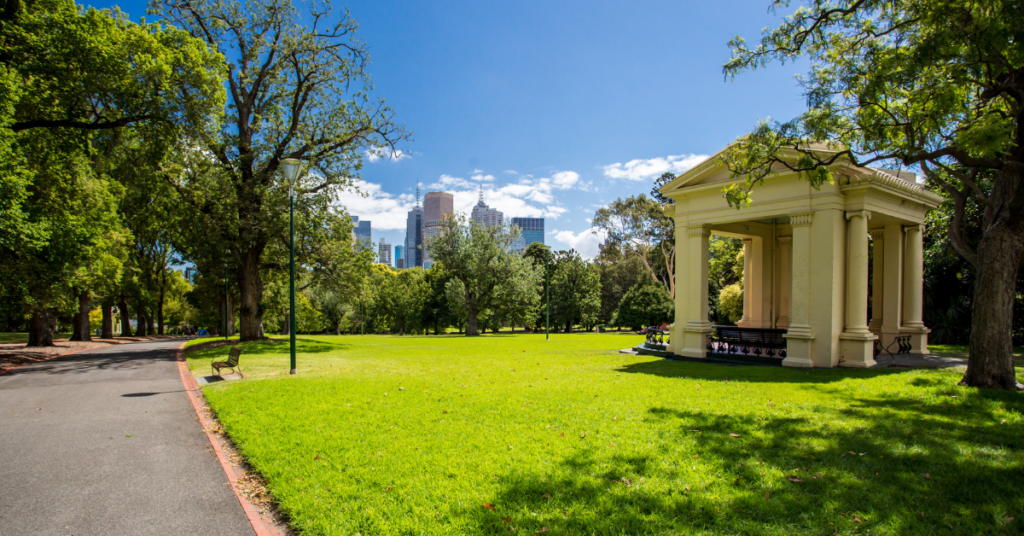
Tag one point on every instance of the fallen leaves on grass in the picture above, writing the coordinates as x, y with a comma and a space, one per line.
857, 519
925, 475
734, 435
794, 479
547, 496
543, 529
488, 506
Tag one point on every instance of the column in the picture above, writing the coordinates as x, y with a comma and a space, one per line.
682, 276
695, 333
892, 283
913, 291
748, 283
799, 335
877, 279
856, 341
785, 283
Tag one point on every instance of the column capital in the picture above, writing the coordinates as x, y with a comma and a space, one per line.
698, 230
786, 241
877, 235
912, 228
801, 219
747, 241
866, 214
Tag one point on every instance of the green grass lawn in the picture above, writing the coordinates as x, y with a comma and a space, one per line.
382, 435
23, 337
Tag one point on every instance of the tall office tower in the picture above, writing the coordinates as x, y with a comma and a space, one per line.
399, 257
362, 230
532, 230
384, 252
436, 207
414, 235
485, 215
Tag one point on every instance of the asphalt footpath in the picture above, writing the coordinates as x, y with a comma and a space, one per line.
106, 442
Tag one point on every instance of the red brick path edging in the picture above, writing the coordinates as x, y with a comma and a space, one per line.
234, 473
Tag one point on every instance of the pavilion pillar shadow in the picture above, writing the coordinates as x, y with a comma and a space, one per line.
785, 279
877, 280
799, 336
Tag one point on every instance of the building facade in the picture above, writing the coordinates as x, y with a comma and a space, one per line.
414, 237
436, 207
399, 257
361, 230
531, 229
485, 215
384, 253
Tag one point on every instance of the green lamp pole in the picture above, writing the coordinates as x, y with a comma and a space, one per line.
291, 167
547, 290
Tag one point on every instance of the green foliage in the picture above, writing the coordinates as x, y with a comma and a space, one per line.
559, 434
646, 304
640, 227
575, 291
730, 302
619, 272
479, 257
725, 267
661, 181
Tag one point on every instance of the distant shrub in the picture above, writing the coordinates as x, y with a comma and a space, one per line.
730, 301
645, 304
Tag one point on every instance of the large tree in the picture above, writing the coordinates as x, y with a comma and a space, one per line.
932, 84
477, 257
639, 225
297, 88
575, 291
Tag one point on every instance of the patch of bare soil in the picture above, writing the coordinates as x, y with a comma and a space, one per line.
16, 354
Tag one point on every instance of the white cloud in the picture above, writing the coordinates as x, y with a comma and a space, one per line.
446, 182
587, 243
564, 180
383, 153
387, 212
645, 170
511, 172
480, 177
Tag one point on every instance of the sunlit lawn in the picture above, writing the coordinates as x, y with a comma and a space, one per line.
510, 433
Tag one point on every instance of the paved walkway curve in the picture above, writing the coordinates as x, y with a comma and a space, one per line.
106, 442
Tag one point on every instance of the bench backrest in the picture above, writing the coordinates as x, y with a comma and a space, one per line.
233, 356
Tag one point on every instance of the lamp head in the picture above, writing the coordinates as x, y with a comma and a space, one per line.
291, 167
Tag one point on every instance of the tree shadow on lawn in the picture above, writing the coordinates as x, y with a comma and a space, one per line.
751, 373
265, 346
914, 477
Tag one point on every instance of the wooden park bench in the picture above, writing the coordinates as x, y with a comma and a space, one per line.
231, 363
757, 342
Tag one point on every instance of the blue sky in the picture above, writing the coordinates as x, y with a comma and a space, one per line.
556, 108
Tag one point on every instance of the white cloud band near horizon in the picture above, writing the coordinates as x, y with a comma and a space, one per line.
652, 168
586, 243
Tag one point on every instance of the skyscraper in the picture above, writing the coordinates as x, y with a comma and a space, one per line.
485, 215
414, 235
436, 207
532, 230
362, 231
399, 256
384, 252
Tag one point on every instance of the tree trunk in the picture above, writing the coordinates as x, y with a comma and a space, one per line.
990, 364
126, 325
39, 333
76, 321
287, 328
471, 330
140, 324
230, 310
150, 326
250, 287
108, 319
81, 331
160, 313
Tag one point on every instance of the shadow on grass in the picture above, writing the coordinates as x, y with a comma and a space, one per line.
750, 373
925, 469
265, 346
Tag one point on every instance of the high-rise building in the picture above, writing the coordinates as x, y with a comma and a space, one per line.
384, 252
532, 230
485, 215
399, 257
436, 207
414, 235
361, 230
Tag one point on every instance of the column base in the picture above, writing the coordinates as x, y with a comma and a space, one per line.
782, 322
918, 338
857, 350
875, 326
695, 339
744, 322
798, 346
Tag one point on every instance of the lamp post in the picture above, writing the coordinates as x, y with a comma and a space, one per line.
291, 167
547, 291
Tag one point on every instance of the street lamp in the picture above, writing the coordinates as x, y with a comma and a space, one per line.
291, 167
547, 290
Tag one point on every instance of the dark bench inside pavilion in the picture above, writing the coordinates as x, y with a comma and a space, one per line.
734, 341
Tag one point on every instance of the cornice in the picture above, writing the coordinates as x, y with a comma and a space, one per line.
885, 181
